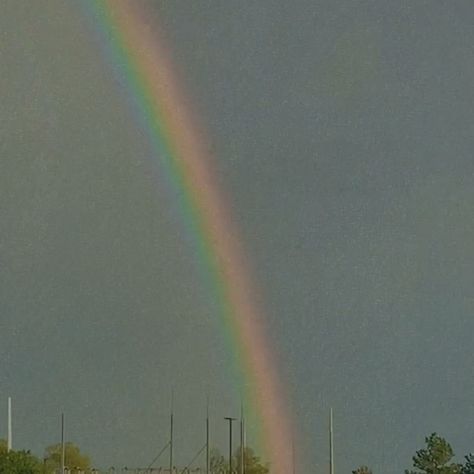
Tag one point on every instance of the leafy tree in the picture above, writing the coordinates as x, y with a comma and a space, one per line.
468, 467
362, 470
252, 463
73, 457
217, 462
19, 462
434, 459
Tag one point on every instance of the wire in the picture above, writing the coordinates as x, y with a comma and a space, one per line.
194, 459
158, 455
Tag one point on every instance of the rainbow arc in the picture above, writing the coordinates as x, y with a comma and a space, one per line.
145, 66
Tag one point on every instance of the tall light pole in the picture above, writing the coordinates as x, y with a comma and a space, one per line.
230, 420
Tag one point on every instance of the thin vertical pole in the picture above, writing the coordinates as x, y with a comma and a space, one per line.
293, 460
331, 443
207, 437
63, 446
9, 436
230, 447
245, 439
242, 463
230, 420
171, 435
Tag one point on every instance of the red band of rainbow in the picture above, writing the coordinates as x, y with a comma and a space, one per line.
147, 71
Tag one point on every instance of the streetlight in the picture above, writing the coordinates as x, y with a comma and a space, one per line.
230, 420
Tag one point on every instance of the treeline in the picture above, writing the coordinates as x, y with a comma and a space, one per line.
24, 462
435, 458
252, 464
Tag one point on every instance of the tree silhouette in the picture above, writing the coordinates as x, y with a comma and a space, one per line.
468, 467
362, 470
434, 459
252, 463
73, 459
19, 462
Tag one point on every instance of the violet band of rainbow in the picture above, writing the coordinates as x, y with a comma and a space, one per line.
148, 76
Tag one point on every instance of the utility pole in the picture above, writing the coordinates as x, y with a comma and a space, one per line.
63, 445
230, 420
331, 444
9, 435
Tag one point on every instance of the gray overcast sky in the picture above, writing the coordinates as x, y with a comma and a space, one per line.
343, 131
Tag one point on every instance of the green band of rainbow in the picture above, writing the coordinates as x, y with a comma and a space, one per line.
148, 75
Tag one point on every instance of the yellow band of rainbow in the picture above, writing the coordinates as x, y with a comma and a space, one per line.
148, 75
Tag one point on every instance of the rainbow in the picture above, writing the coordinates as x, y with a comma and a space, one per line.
146, 71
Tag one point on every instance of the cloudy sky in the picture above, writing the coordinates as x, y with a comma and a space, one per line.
343, 133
